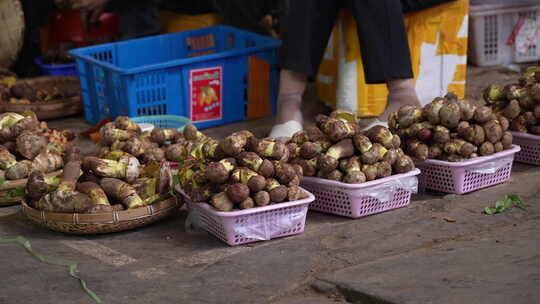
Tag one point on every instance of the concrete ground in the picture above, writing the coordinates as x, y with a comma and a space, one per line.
439, 249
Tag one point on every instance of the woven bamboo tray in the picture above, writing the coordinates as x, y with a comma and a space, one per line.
11, 193
51, 109
101, 223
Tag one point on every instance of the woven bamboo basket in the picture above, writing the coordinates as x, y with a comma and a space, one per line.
12, 33
101, 223
12, 192
54, 108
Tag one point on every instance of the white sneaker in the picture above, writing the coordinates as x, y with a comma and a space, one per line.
285, 130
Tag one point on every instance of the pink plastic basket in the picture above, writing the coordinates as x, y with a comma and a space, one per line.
255, 224
467, 176
530, 148
358, 200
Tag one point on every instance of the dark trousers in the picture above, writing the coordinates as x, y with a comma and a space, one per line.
381, 32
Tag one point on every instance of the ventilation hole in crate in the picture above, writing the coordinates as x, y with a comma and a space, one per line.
491, 37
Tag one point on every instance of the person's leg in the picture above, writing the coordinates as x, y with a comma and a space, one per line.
308, 26
385, 50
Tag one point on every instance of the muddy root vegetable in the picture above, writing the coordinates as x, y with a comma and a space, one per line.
309, 166
256, 183
133, 146
486, 148
145, 187
299, 138
483, 114
176, 152
284, 172
109, 134
431, 110
237, 192
530, 119
498, 147
408, 115
512, 110
467, 110
334, 175
221, 202
30, 143
47, 162
370, 172
310, 149
373, 155
254, 162
384, 169
267, 148
295, 193
418, 149
124, 123
381, 135
247, 203
493, 131
154, 155
19, 171
234, 144
493, 93
39, 184
278, 193
403, 164
362, 143
191, 133
6, 158
450, 114
507, 140
218, 172
337, 129
513, 91
262, 198
441, 134
29, 123
122, 191
94, 191
114, 169
329, 161
434, 152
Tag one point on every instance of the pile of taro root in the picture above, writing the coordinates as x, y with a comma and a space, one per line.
336, 149
519, 103
450, 129
94, 185
238, 172
27, 145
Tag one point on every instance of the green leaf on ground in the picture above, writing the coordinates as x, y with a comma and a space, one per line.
2, 180
507, 203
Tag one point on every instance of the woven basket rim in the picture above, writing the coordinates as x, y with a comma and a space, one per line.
117, 217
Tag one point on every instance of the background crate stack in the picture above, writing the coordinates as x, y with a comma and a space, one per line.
492, 24
154, 76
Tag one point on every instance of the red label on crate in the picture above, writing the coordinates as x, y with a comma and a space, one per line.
206, 94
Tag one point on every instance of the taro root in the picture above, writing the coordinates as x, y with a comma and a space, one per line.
267, 148
329, 161
221, 202
431, 110
461, 147
362, 143
370, 172
145, 187
441, 134
39, 184
161, 136
455, 158
262, 198
434, 152
334, 175
483, 114
47, 162
19, 170
237, 192
278, 193
519, 124
493, 131
218, 172
486, 148
124, 123
257, 183
95, 192
313, 133
505, 123
535, 130
384, 169
310, 149
117, 146
309, 166
213, 150
109, 134
234, 144
133, 146
28, 123
530, 119
403, 164
320, 119
381, 135
30, 143
534, 91
6, 158
513, 91
418, 149
393, 121
391, 156
294, 150
300, 137
450, 114
467, 109
192, 134
526, 102
507, 140
115, 169
537, 111
154, 155
254, 162
337, 129
493, 93
284, 172
247, 203
421, 130
512, 110
295, 193
373, 155
122, 191
344, 115
176, 152
498, 147
407, 115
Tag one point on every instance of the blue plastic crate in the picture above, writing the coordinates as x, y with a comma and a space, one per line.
153, 75
68, 69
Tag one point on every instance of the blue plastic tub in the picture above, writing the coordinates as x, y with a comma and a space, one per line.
164, 121
69, 69
201, 74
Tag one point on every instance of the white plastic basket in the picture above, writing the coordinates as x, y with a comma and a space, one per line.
493, 22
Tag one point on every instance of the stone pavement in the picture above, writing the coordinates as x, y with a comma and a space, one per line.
410, 255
